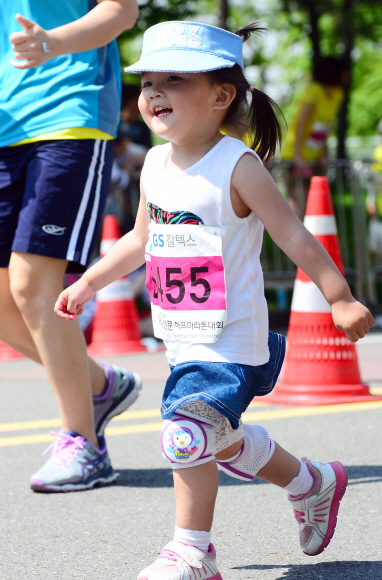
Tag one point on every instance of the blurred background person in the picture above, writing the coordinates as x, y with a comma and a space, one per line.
138, 131
128, 161
305, 143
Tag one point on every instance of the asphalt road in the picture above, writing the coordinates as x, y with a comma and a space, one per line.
113, 532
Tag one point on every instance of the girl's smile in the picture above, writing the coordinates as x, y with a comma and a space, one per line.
162, 111
176, 106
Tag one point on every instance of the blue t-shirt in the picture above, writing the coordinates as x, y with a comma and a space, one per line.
73, 90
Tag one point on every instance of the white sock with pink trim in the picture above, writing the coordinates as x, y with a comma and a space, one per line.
302, 483
196, 538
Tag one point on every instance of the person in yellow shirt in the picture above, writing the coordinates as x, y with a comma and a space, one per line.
306, 140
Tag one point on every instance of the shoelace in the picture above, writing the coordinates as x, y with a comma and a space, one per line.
299, 516
65, 448
318, 512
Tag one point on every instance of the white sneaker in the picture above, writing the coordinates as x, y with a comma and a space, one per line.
316, 511
179, 561
75, 464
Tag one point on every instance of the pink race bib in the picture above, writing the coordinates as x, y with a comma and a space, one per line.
185, 279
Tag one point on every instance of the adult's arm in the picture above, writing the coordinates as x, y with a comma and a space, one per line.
34, 45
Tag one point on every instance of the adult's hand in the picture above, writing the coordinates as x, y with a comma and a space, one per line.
102, 24
31, 45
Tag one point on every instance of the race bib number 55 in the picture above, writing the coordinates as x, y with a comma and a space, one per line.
185, 279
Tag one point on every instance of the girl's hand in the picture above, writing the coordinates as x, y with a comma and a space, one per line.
32, 45
70, 303
352, 318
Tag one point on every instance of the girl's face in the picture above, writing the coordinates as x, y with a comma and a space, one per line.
178, 106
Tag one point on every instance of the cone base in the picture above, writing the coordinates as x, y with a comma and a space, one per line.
116, 348
308, 395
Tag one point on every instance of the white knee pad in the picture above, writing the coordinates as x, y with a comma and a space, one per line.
187, 443
256, 451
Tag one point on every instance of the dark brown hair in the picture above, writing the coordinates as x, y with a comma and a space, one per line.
329, 70
257, 117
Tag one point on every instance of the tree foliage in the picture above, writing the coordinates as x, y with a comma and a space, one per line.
338, 26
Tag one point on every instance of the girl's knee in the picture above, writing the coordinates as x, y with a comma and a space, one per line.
230, 451
187, 442
255, 453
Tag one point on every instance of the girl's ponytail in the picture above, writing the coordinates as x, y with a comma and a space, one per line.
264, 126
263, 122
256, 120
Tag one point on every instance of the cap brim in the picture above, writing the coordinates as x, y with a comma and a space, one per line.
186, 61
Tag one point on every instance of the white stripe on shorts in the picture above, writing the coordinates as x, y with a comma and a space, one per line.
93, 218
84, 202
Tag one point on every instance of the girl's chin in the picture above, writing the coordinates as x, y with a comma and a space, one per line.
162, 131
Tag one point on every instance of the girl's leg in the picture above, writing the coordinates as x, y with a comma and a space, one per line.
258, 456
281, 469
196, 489
190, 554
315, 489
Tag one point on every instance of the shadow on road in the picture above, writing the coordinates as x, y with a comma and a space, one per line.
163, 477
324, 570
364, 474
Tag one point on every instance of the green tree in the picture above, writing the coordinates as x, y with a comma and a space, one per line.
366, 98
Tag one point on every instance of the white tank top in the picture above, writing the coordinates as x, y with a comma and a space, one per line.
201, 195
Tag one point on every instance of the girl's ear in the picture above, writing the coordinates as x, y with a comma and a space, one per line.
225, 94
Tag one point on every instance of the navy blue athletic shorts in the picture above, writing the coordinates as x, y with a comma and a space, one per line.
52, 197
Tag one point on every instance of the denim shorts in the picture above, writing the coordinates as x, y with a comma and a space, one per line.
227, 387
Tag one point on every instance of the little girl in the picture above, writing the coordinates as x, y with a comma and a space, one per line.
205, 199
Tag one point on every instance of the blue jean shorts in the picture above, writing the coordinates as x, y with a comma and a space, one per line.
52, 197
227, 387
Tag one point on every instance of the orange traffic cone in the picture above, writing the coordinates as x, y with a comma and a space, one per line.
7, 353
321, 365
116, 324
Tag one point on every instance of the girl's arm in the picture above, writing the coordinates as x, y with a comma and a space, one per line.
254, 186
124, 257
34, 45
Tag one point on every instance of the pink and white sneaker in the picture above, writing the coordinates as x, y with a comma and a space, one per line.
316, 511
179, 561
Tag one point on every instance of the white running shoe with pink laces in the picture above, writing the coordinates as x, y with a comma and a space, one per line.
179, 561
316, 511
